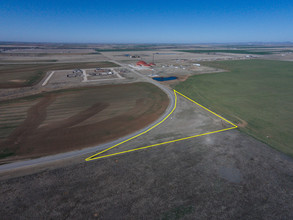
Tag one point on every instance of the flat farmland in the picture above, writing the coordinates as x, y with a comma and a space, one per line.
21, 75
66, 120
256, 94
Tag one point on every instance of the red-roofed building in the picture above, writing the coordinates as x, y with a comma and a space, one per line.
142, 63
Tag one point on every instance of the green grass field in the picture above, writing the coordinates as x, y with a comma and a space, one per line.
257, 94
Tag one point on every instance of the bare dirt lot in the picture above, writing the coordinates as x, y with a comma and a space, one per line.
67, 120
188, 119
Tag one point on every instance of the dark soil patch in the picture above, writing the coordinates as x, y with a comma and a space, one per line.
30, 140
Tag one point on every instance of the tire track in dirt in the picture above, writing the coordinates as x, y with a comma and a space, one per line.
35, 116
65, 135
76, 119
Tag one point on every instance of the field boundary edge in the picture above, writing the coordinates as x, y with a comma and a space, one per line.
94, 157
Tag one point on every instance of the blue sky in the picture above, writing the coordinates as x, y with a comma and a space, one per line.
99, 21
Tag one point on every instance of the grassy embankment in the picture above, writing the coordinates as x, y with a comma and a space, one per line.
20, 75
257, 94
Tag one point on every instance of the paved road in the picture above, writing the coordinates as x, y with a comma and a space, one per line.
57, 157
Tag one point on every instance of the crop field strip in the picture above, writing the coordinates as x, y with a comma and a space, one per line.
12, 115
255, 51
68, 104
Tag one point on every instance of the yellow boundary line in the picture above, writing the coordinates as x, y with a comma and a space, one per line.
94, 157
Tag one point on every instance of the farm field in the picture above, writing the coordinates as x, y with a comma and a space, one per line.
254, 51
29, 61
20, 75
195, 166
256, 94
229, 51
66, 120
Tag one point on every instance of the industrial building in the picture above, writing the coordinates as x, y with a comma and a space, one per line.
143, 63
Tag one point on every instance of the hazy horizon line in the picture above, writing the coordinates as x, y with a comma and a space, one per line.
145, 43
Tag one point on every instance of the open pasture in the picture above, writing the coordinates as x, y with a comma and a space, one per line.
256, 94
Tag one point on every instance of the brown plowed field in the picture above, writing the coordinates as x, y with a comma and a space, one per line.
68, 130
